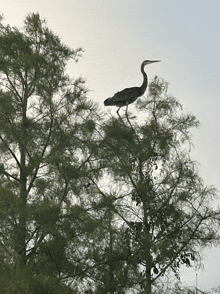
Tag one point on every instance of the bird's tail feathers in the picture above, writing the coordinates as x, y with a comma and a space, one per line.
108, 101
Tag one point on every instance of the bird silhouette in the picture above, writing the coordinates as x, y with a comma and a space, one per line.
129, 95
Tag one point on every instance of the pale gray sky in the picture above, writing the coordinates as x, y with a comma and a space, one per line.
117, 35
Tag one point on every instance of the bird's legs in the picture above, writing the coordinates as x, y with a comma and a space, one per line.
118, 111
126, 111
126, 114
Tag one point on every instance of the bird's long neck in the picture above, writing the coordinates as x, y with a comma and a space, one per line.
145, 80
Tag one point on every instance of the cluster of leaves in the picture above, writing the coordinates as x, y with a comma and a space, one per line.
90, 205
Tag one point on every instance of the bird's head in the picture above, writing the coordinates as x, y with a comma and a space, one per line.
146, 62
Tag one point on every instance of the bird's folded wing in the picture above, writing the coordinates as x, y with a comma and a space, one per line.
126, 94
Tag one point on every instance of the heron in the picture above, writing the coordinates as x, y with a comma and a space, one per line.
130, 95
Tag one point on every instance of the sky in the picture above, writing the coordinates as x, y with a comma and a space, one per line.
117, 35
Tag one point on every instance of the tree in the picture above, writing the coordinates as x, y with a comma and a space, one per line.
158, 193
46, 125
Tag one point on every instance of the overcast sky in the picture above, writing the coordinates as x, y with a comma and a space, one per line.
117, 35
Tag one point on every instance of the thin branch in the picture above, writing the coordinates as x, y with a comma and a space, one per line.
10, 150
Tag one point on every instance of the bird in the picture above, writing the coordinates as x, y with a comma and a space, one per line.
130, 95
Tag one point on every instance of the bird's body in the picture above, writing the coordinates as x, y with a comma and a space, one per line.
124, 97
129, 95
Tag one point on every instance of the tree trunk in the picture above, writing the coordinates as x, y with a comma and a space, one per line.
22, 210
147, 255
23, 192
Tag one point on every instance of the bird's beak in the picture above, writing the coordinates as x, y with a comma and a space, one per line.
152, 61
